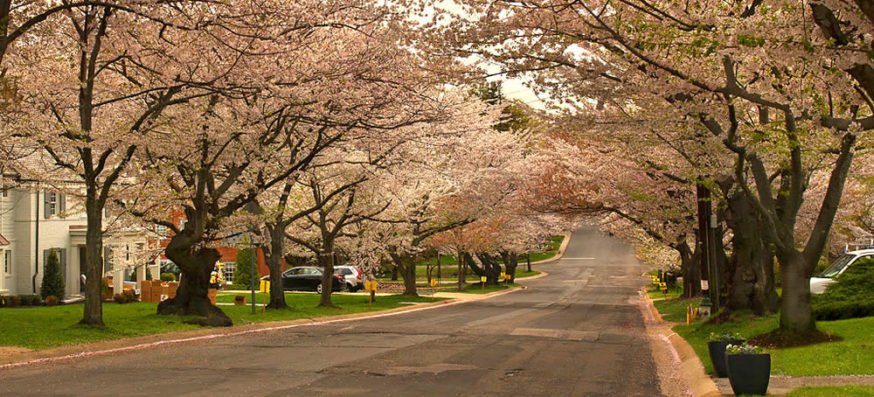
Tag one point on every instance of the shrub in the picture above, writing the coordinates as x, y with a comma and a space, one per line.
28, 300
851, 296
52, 300
14, 301
130, 296
243, 269
52, 280
104, 286
168, 277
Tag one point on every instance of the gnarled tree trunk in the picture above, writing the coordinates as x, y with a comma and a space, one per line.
751, 282
689, 267
407, 268
192, 296
491, 268
511, 261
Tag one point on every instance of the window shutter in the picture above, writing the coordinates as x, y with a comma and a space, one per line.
62, 202
47, 205
107, 262
62, 256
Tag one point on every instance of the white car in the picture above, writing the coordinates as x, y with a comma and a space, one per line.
838, 267
352, 275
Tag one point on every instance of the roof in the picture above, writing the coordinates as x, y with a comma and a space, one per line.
3, 240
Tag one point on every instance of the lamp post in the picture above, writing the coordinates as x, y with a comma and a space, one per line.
252, 252
253, 208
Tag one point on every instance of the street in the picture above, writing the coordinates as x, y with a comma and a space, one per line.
577, 332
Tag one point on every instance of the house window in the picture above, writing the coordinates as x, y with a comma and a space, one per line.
55, 204
4, 193
229, 268
7, 262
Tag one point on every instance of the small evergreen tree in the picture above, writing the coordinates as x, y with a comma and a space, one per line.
243, 269
52, 280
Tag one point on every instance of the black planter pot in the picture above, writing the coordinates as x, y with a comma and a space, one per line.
717, 355
749, 373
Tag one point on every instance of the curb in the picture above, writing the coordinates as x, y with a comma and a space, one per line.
564, 243
686, 367
138, 343
542, 274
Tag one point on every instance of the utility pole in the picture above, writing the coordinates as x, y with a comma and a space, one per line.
707, 224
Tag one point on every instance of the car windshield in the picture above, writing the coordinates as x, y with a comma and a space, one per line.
837, 266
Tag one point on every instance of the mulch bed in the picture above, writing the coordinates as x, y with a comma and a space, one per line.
778, 339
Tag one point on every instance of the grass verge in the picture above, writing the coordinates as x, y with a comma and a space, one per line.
829, 391
45, 327
854, 355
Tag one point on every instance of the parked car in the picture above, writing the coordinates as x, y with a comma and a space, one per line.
307, 278
352, 275
819, 282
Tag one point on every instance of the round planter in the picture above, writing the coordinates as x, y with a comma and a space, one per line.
749, 373
717, 355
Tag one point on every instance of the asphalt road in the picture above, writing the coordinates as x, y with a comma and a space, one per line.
577, 332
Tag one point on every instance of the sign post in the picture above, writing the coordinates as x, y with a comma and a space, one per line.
370, 286
482, 280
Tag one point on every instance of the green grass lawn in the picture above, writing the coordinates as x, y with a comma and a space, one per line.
853, 355
45, 327
829, 391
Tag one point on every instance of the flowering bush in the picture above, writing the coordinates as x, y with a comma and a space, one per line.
745, 348
725, 336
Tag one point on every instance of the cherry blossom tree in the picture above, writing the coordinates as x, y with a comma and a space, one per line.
779, 95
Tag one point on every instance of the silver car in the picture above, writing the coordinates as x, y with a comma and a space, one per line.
352, 275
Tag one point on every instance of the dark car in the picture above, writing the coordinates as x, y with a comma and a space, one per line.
307, 278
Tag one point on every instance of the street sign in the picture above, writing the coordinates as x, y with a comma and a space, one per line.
265, 286
433, 283
370, 285
483, 279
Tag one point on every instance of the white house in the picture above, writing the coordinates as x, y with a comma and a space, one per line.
35, 220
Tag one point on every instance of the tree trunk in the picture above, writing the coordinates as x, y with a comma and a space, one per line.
462, 271
751, 266
795, 312
93, 308
326, 261
511, 260
491, 268
690, 267
274, 264
406, 266
471, 264
192, 296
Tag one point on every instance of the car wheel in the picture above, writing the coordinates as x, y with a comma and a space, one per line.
319, 288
